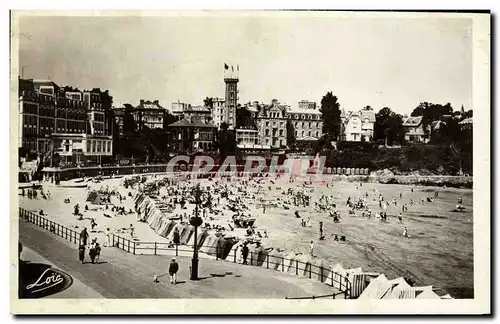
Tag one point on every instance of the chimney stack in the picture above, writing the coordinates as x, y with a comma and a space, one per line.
156, 102
142, 102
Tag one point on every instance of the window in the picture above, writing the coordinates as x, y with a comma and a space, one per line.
267, 132
302, 117
309, 133
317, 134
267, 123
309, 124
281, 132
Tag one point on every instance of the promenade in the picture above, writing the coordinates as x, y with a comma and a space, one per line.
122, 275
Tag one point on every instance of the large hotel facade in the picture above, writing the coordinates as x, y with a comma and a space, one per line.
64, 121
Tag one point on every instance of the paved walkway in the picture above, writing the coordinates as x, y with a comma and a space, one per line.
122, 275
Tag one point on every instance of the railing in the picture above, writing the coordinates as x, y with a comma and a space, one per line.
280, 263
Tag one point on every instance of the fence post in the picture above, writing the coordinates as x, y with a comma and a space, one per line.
235, 250
282, 264
128, 246
134, 247
267, 261
321, 273
310, 269
296, 267
251, 258
176, 249
155, 248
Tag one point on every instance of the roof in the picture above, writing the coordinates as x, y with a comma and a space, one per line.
412, 121
466, 121
197, 109
150, 105
297, 110
436, 124
186, 123
370, 114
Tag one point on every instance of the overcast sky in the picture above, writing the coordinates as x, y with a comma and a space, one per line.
379, 62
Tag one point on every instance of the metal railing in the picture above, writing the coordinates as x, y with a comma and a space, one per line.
255, 258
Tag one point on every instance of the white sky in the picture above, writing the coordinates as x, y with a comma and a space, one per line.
378, 62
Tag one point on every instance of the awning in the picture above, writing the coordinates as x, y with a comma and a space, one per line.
254, 146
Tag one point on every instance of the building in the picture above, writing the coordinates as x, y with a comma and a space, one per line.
149, 114
218, 111
306, 121
178, 109
118, 115
307, 105
358, 126
466, 124
193, 135
271, 125
199, 113
248, 138
414, 130
63, 121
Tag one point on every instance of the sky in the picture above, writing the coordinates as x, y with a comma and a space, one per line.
393, 63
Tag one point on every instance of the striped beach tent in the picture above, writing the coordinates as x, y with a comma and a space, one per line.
359, 282
186, 234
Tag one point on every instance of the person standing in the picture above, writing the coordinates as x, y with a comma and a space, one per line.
84, 235
108, 237
244, 253
172, 270
177, 238
311, 248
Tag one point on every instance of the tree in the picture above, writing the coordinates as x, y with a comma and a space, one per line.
431, 112
226, 141
290, 134
388, 126
129, 125
209, 102
243, 118
168, 119
330, 110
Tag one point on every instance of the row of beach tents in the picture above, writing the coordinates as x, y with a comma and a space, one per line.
363, 285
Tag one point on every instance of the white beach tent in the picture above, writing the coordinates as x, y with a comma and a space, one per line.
399, 290
447, 296
377, 288
427, 293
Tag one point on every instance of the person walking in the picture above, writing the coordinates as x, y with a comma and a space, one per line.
172, 270
177, 237
81, 253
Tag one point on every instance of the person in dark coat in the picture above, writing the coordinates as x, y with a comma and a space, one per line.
81, 253
244, 253
84, 235
172, 270
177, 236
92, 253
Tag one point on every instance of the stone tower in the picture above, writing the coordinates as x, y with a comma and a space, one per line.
231, 98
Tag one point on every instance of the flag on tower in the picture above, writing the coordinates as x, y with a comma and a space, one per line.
226, 66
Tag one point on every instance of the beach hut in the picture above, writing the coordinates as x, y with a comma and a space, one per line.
320, 269
179, 227
166, 228
426, 293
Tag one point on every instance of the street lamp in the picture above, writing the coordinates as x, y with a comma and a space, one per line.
195, 221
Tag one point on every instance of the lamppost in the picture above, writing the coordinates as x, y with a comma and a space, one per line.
195, 221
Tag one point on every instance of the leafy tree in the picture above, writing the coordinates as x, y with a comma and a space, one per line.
168, 119
209, 102
431, 112
244, 118
290, 133
226, 141
389, 127
330, 110
129, 125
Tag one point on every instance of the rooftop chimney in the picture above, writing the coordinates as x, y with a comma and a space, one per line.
142, 102
156, 102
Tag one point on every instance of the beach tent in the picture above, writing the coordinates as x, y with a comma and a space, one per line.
337, 277
209, 244
302, 265
320, 269
376, 288
235, 253
399, 290
447, 296
287, 262
225, 244
170, 235
426, 293
359, 282
273, 259
166, 227
186, 234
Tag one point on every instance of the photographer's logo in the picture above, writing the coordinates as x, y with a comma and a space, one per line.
37, 281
